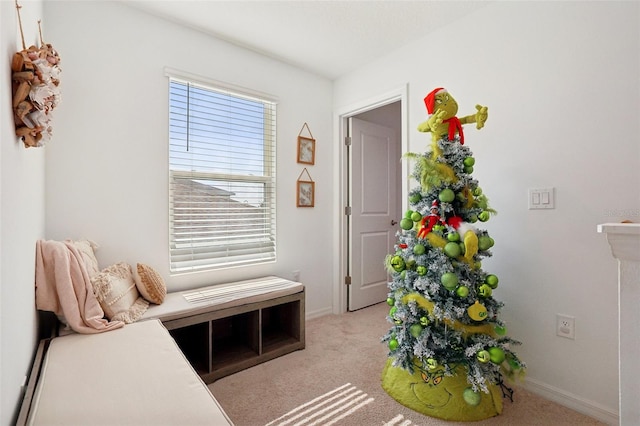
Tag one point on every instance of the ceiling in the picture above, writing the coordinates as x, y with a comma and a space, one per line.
328, 38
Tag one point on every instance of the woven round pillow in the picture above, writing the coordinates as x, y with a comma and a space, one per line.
150, 284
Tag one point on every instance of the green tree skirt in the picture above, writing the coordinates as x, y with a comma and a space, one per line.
435, 395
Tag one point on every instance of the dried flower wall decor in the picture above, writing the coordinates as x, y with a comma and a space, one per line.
35, 88
306, 191
306, 147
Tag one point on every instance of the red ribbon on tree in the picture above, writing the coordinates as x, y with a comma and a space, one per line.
454, 124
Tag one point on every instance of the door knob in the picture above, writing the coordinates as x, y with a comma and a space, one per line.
393, 222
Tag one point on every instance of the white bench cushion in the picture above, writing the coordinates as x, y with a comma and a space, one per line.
135, 375
192, 302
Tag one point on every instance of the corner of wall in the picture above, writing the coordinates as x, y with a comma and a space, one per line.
21, 220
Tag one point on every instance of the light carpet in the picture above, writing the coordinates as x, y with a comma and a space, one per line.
336, 381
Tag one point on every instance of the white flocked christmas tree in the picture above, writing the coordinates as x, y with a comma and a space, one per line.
448, 347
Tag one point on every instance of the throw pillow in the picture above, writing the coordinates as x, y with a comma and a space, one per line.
150, 284
117, 293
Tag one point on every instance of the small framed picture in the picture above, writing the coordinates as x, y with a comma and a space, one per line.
306, 150
306, 193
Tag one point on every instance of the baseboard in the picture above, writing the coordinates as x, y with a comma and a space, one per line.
581, 405
319, 313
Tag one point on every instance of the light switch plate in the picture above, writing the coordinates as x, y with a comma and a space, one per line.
542, 198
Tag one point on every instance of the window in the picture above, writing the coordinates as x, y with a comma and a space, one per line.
222, 187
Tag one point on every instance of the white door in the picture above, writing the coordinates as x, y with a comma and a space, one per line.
374, 210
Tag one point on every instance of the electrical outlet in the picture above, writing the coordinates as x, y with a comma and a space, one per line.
566, 326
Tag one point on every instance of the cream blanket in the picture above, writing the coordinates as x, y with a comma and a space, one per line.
63, 286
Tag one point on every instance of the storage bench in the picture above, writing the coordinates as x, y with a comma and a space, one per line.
226, 328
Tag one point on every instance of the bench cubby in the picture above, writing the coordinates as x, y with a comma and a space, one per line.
224, 341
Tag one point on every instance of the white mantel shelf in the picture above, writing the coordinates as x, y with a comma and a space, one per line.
624, 239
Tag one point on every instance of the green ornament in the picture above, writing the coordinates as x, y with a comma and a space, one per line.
415, 198
497, 355
406, 223
471, 397
513, 362
403, 274
416, 216
397, 263
438, 228
390, 301
421, 270
408, 214
453, 236
431, 364
477, 191
424, 321
483, 356
492, 280
469, 161
484, 290
415, 330
484, 216
392, 311
419, 249
468, 169
500, 330
484, 242
446, 195
452, 249
393, 344
462, 291
449, 280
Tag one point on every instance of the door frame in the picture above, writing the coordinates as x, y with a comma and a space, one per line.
341, 196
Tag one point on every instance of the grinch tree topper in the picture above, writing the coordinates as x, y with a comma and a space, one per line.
443, 121
448, 349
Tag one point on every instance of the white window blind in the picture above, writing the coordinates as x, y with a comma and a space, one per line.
222, 187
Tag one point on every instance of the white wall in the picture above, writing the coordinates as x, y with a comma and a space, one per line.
107, 177
22, 214
561, 81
